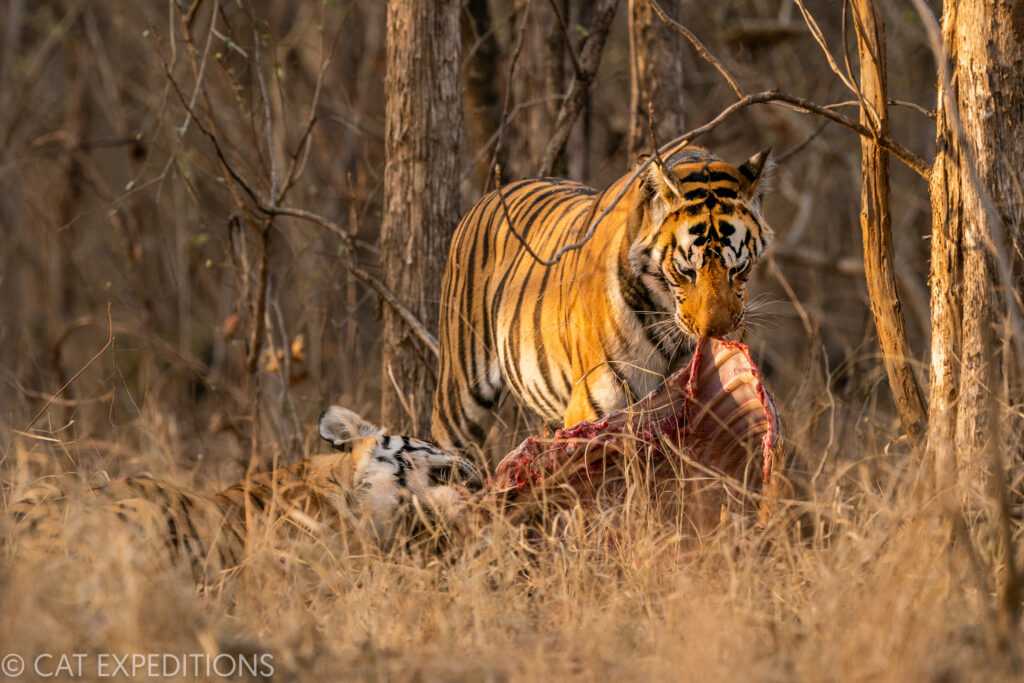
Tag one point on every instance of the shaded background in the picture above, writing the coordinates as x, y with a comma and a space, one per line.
112, 195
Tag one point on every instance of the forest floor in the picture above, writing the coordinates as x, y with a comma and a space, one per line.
859, 581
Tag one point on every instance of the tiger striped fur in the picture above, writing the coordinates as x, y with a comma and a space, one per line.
609, 320
388, 484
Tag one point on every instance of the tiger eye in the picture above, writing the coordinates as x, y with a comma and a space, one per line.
689, 273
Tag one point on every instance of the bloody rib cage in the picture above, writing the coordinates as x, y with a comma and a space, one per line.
714, 415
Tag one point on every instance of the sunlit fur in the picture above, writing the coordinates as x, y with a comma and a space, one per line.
388, 484
608, 321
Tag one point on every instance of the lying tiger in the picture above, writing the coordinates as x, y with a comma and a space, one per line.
390, 485
610, 320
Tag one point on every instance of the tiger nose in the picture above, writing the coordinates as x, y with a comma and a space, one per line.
716, 322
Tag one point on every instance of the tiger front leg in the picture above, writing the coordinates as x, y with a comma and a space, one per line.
463, 412
595, 394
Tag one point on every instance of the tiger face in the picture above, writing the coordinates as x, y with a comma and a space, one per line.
699, 233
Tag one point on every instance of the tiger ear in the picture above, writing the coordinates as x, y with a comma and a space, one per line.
659, 189
757, 172
338, 426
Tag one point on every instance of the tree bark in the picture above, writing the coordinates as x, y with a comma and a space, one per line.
876, 224
421, 192
977, 240
656, 75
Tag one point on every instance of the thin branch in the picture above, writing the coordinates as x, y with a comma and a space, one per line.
200, 72
414, 323
576, 95
260, 305
271, 145
852, 266
809, 328
799, 147
485, 148
417, 327
513, 62
110, 342
862, 102
915, 162
698, 46
654, 140
301, 150
670, 148
271, 210
190, 15
820, 39
508, 218
576, 66
931, 114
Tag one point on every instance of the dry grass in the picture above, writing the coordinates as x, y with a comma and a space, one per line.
860, 581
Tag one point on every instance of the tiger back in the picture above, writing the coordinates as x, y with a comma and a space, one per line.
606, 322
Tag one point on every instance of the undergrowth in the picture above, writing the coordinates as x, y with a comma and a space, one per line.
858, 579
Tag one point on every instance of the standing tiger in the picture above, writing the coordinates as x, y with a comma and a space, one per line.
607, 321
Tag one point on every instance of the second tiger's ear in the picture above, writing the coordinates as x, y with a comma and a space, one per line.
338, 426
757, 172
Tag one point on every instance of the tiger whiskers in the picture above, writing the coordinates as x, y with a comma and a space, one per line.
762, 301
664, 336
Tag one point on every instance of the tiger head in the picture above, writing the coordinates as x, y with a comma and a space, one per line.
698, 232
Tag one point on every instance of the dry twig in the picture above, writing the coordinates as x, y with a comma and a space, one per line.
110, 342
698, 46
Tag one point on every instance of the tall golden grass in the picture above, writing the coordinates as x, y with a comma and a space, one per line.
859, 579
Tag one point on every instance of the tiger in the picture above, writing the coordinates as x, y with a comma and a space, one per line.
386, 483
608, 320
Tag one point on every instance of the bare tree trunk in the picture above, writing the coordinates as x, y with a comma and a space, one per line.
421, 192
656, 75
876, 224
976, 274
977, 240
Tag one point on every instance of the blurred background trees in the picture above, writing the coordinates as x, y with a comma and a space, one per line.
217, 173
